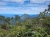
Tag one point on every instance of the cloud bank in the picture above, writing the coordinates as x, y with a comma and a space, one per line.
22, 6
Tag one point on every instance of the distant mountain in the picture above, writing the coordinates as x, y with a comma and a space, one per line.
26, 16
11, 15
33, 16
22, 16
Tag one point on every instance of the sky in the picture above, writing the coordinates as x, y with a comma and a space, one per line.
23, 6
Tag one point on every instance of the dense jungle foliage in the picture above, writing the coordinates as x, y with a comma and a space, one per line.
30, 27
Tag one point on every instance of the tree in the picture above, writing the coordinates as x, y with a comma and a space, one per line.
7, 20
49, 7
2, 19
17, 18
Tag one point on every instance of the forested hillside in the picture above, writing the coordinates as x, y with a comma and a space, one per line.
29, 27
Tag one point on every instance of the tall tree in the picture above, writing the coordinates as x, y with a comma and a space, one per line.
49, 7
17, 18
8, 20
2, 19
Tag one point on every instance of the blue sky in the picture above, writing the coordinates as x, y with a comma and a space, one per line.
23, 6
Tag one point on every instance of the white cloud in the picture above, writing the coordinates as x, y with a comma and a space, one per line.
22, 1
18, 1
2, 3
39, 1
5, 2
21, 10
